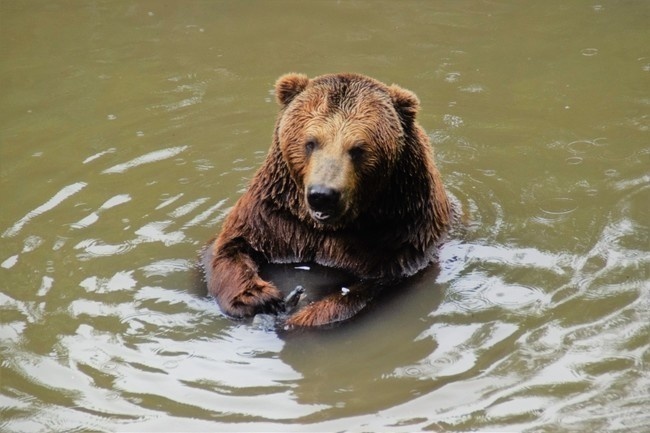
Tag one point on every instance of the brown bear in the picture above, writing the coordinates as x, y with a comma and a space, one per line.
349, 182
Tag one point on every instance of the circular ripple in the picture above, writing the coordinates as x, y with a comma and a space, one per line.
412, 371
588, 52
580, 146
558, 206
512, 295
574, 160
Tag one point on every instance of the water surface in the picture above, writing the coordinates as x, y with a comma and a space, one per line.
128, 130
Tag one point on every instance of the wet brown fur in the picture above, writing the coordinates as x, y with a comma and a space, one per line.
368, 145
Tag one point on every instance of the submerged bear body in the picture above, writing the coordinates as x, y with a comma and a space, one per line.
349, 182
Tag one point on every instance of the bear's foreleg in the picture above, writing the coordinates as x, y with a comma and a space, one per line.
336, 307
233, 279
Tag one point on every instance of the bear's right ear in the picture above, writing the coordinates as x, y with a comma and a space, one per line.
289, 86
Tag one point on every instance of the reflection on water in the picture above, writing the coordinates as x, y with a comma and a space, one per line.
128, 131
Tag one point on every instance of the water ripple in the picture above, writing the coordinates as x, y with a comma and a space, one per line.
108, 204
65, 193
166, 267
157, 155
96, 248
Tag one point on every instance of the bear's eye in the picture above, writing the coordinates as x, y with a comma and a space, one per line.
310, 145
357, 152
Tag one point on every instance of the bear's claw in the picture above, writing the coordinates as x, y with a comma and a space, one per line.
261, 298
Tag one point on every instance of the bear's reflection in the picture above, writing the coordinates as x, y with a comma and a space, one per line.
351, 366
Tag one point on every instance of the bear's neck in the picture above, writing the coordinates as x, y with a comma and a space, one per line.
416, 185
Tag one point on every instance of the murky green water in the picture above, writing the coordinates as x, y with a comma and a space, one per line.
127, 130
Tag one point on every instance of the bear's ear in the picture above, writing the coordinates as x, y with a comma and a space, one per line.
405, 102
288, 86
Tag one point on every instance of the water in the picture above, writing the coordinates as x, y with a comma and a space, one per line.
128, 130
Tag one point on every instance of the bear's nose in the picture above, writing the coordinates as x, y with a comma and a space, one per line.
323, 199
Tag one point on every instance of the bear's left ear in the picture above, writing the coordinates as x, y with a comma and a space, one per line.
405, 102
289, 86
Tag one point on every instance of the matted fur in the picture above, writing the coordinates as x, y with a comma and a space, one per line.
360, 137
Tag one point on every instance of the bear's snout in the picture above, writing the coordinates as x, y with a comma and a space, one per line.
324, 202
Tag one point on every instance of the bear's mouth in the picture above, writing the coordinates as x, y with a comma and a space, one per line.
319, 216
325, 204
333, 218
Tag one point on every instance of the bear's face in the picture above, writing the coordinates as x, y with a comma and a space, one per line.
341, 136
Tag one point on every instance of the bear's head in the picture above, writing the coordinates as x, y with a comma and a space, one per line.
341, 137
